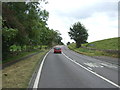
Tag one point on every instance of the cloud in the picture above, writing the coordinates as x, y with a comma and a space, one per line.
78, 12
100, 26
100, 17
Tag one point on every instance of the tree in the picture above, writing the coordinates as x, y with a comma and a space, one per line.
24, 24
8, 39
68, 43
78, 33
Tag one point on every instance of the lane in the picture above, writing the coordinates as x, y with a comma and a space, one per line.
90, 70
105, 69
59, 72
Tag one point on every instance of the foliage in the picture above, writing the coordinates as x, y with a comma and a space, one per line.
78, 33
9, 34
68, 43
8, 39
25, 27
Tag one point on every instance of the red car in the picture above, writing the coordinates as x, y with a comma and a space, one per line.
57, 50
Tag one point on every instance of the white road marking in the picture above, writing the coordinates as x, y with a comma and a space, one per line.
89, 68
39, 72
109, 81
109, 65
90, 64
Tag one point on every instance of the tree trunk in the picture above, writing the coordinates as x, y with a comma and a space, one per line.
78, 44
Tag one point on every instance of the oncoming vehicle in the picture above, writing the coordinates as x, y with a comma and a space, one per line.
57, 50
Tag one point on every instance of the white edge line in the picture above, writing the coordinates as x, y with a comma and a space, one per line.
39, 72
92, 72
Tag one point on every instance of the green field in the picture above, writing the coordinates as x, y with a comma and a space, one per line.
111, 43
106, 44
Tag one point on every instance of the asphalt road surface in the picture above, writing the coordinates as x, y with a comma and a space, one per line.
73, 70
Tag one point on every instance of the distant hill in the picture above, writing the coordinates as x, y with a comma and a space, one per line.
111, 43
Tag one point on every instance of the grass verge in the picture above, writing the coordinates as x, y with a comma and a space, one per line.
91, 52
22, 54
18, 75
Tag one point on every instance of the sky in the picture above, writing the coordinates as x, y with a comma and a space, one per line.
100, 17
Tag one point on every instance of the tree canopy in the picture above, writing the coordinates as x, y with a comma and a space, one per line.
78, 33
24, 24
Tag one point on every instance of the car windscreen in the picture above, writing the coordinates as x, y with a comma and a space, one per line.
57, 48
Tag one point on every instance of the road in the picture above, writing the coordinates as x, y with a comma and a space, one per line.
73, 70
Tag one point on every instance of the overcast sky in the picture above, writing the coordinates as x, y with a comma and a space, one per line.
100, 17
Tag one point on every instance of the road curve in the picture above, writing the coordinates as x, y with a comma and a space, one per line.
73, 70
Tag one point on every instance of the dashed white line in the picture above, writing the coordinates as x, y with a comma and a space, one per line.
109, 81
39, 72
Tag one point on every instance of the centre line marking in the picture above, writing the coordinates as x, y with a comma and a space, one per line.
109, 81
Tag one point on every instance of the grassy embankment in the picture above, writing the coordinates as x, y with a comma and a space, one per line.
13, 57
19, 74
106, 44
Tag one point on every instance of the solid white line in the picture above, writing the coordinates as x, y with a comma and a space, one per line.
39, 72
109, 81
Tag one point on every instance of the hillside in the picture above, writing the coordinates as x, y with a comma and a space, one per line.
111, 43
106, 44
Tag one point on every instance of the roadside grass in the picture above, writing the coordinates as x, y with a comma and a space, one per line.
90, 52
22, 54
111, 43
19, 74
14, 56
